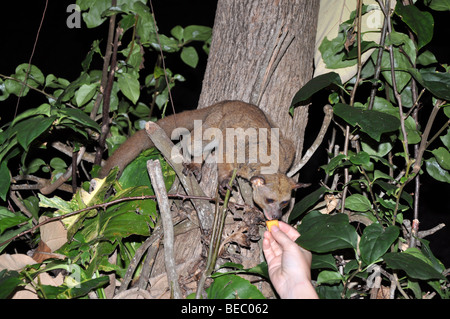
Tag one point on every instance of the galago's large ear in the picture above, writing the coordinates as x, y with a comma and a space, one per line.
258, 181
299, 185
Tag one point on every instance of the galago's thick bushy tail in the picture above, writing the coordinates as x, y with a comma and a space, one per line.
139, 142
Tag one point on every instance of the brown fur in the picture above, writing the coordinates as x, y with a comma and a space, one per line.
270, 191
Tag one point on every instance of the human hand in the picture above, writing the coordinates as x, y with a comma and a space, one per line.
289, 264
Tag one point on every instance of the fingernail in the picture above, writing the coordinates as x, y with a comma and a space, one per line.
275, 228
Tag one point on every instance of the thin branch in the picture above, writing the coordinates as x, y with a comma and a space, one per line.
424, 142
106, 60
163, 61
346, 174
67, 150
104, 206
134, 263
352, 101
431, 231
328, 110
359, 64
31, 57
378, 64
435, 136
156, 177
107, 97
48, 189
21, 206
175, 159
40, 183
216, 237
396, 93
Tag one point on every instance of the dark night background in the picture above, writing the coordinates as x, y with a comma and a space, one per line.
60, 51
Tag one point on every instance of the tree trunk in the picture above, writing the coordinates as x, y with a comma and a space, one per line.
262, 53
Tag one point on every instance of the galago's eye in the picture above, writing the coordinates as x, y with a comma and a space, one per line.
284, 204
269, 200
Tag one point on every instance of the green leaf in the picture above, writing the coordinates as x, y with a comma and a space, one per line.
8, 219
69, 91
330, 291
197, 33
361, 158
57, 163
383, 105
167, 44
32, 204
442, 157
413, 134
34, 166
43, 109
438, 5
323, 261
365, 46
145, 24
379, 174
15, 87
134, 217
391, 191
55, 202
426, 58
401, 62
315, 85
85, 93
260, 269
28, 130
4, 94
420, 22
9, 281
334, 163
372, 122
426, 250
129, 85
436, 82
358, 203
333, 53
329, 277
78, 290
233, 287
375, 242
376, 149
447, 110
134, 56
414, 263
436, 171
132, 174
35, 76
323, 233
77, 115
177, 32
93, 18
446, 139
189, 56
307, 202
6, 180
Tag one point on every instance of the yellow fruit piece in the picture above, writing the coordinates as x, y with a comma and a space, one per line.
270, 223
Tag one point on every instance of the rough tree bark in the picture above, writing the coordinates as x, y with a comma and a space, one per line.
261, 53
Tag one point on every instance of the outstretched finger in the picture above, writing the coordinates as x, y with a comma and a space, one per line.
290, 231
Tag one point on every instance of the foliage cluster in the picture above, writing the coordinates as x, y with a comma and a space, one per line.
73, 113
386, 114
